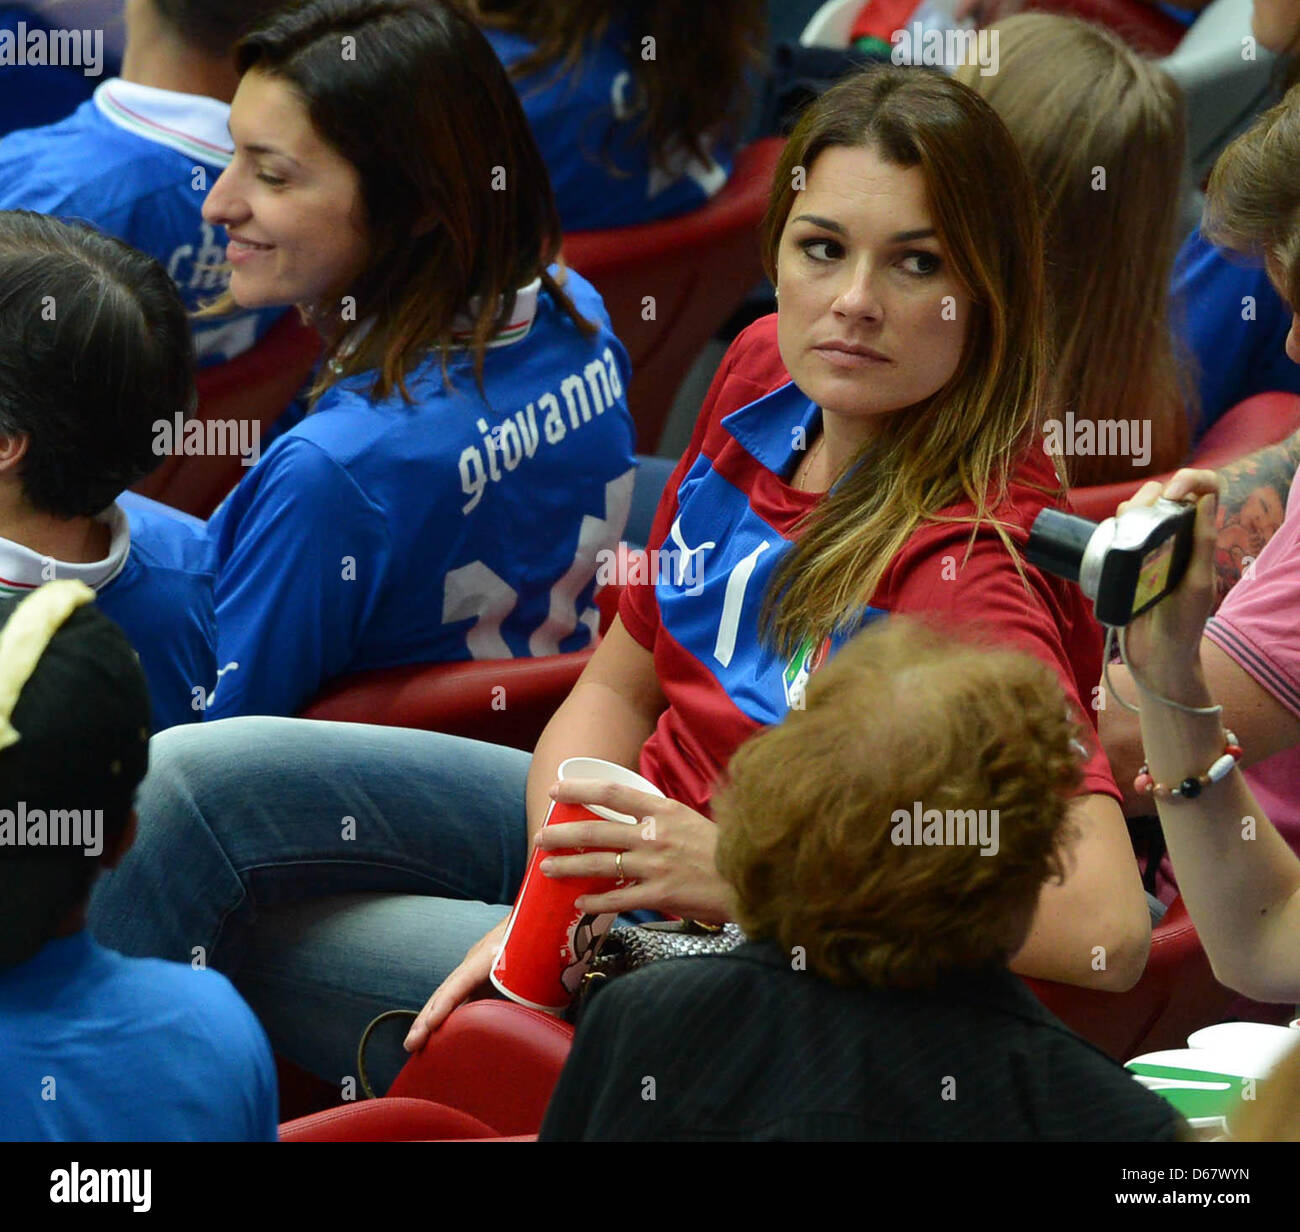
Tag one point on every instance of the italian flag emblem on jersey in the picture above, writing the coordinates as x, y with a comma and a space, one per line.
806, 660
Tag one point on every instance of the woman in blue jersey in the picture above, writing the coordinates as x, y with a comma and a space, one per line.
636, 107
469, 452
338, 871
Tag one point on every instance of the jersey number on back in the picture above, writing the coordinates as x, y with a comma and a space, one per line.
475, 592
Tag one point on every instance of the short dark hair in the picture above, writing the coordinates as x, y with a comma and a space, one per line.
214, 26
83, 720
95, 347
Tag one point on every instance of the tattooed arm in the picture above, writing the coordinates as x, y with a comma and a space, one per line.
1251, 508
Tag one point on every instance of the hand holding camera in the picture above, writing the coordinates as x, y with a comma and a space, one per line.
1150, 569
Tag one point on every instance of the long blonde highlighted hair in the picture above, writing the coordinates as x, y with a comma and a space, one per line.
962, 442
1102, 132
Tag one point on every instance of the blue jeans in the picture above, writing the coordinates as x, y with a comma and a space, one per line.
332, 870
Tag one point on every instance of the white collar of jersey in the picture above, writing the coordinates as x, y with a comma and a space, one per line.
521, 320
22, 570
462, 325
191, 123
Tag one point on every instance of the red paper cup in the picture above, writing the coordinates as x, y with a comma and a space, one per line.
549, 943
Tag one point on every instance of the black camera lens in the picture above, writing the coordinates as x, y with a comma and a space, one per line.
1057, 542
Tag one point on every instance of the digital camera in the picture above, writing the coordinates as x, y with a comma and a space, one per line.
1125, 564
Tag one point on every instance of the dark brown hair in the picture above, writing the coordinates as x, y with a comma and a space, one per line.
95, 349
458, 205
902, 716
963, 441
687, 57
214, 26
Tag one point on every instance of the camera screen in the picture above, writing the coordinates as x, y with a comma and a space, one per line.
1154, 574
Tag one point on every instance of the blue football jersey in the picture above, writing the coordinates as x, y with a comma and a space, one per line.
39, 93
157, 583
137, 162
728, 517
99, 1047
462, 525
1234, 324
713, 613
584, 122
163, 600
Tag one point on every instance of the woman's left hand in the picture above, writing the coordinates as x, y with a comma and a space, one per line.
667, 856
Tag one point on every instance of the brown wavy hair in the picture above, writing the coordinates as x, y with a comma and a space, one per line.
694, 86
964, 440
410, 112
1077, 98
1252, 203
901, 715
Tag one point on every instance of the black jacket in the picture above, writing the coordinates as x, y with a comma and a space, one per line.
743, 1046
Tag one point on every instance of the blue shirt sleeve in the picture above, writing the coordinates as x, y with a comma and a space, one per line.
1234, 324
240, 1060
303, 556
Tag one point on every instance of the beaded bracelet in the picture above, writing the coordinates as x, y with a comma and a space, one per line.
1190, 787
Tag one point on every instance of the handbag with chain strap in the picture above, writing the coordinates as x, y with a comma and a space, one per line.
626, 949
621, 950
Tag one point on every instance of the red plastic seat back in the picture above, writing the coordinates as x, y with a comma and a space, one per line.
385, 1120
1253, 424
495, 1060
257, 386
669, 286
502, 701
1140, 25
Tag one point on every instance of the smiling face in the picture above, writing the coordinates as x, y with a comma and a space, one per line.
290, 203
864, 285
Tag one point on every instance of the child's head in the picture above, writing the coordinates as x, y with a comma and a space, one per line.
902, 825
74, 746
95, 348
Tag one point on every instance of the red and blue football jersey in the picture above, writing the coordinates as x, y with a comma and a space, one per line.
726, 520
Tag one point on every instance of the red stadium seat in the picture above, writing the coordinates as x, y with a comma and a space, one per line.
256, 386
1176, 995
502, 701
385, 1120
393, 1120
1253, 424
487, 1072
698, 269
1140, 25
493, 1059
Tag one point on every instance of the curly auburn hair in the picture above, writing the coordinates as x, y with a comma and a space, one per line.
902, 716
